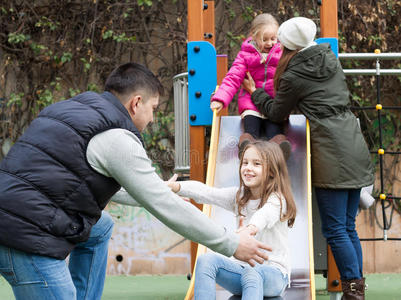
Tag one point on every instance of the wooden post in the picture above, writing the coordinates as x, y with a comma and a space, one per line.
200, 24
208, 23
195, 20
333, 275
222, 64
197, 169
329, 28
329, 19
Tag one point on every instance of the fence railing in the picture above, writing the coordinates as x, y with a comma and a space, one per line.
370, 56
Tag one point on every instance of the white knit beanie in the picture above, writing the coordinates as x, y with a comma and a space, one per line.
297, 33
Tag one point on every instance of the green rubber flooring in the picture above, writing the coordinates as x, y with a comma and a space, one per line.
168, 287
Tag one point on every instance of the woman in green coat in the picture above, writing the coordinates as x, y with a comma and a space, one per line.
310, 77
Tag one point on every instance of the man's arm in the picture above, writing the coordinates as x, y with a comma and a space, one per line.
122, 197
201, 193
119, 153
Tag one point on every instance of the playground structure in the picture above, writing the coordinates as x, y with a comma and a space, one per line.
201, 29
222, 171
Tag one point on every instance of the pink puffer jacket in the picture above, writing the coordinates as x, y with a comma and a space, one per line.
248, 59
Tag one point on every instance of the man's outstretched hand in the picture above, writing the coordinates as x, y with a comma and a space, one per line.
251, 250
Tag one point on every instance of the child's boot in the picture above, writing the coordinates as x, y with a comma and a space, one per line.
353, 289
284, 144
244, 140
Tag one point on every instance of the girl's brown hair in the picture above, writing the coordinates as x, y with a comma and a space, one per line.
261, 21
282, 65
276, 180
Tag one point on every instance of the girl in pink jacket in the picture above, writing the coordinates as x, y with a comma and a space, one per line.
259, 55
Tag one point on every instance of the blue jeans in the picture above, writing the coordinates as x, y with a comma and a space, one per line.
338, 209
36, 277
251, 282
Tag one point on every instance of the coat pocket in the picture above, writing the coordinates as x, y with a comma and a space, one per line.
64, 225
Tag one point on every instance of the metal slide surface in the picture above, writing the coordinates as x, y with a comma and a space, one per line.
226, 174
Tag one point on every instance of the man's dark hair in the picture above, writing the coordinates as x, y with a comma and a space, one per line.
132, 77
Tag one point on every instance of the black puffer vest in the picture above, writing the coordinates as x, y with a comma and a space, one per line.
50, 197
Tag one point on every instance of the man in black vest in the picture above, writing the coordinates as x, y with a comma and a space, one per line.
58, 177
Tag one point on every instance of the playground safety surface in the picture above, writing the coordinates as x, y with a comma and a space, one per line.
169, 287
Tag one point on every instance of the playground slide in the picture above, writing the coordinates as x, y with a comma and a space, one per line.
223, 172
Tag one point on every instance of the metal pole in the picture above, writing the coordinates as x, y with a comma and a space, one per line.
372, 56
380, 152
372, 72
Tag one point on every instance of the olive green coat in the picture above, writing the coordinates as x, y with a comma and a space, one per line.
314, 82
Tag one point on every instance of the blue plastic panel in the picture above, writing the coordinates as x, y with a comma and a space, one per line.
202, 80
333, 44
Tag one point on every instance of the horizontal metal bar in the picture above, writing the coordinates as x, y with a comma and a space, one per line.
181, 169
180, 75
379, 239
372, 71
393, 55
371, 56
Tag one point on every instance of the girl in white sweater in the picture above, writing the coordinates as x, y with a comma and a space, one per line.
264, 206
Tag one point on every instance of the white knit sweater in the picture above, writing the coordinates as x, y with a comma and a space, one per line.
271, 230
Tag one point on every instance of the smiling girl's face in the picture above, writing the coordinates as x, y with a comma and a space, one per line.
267, 38
252, 170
